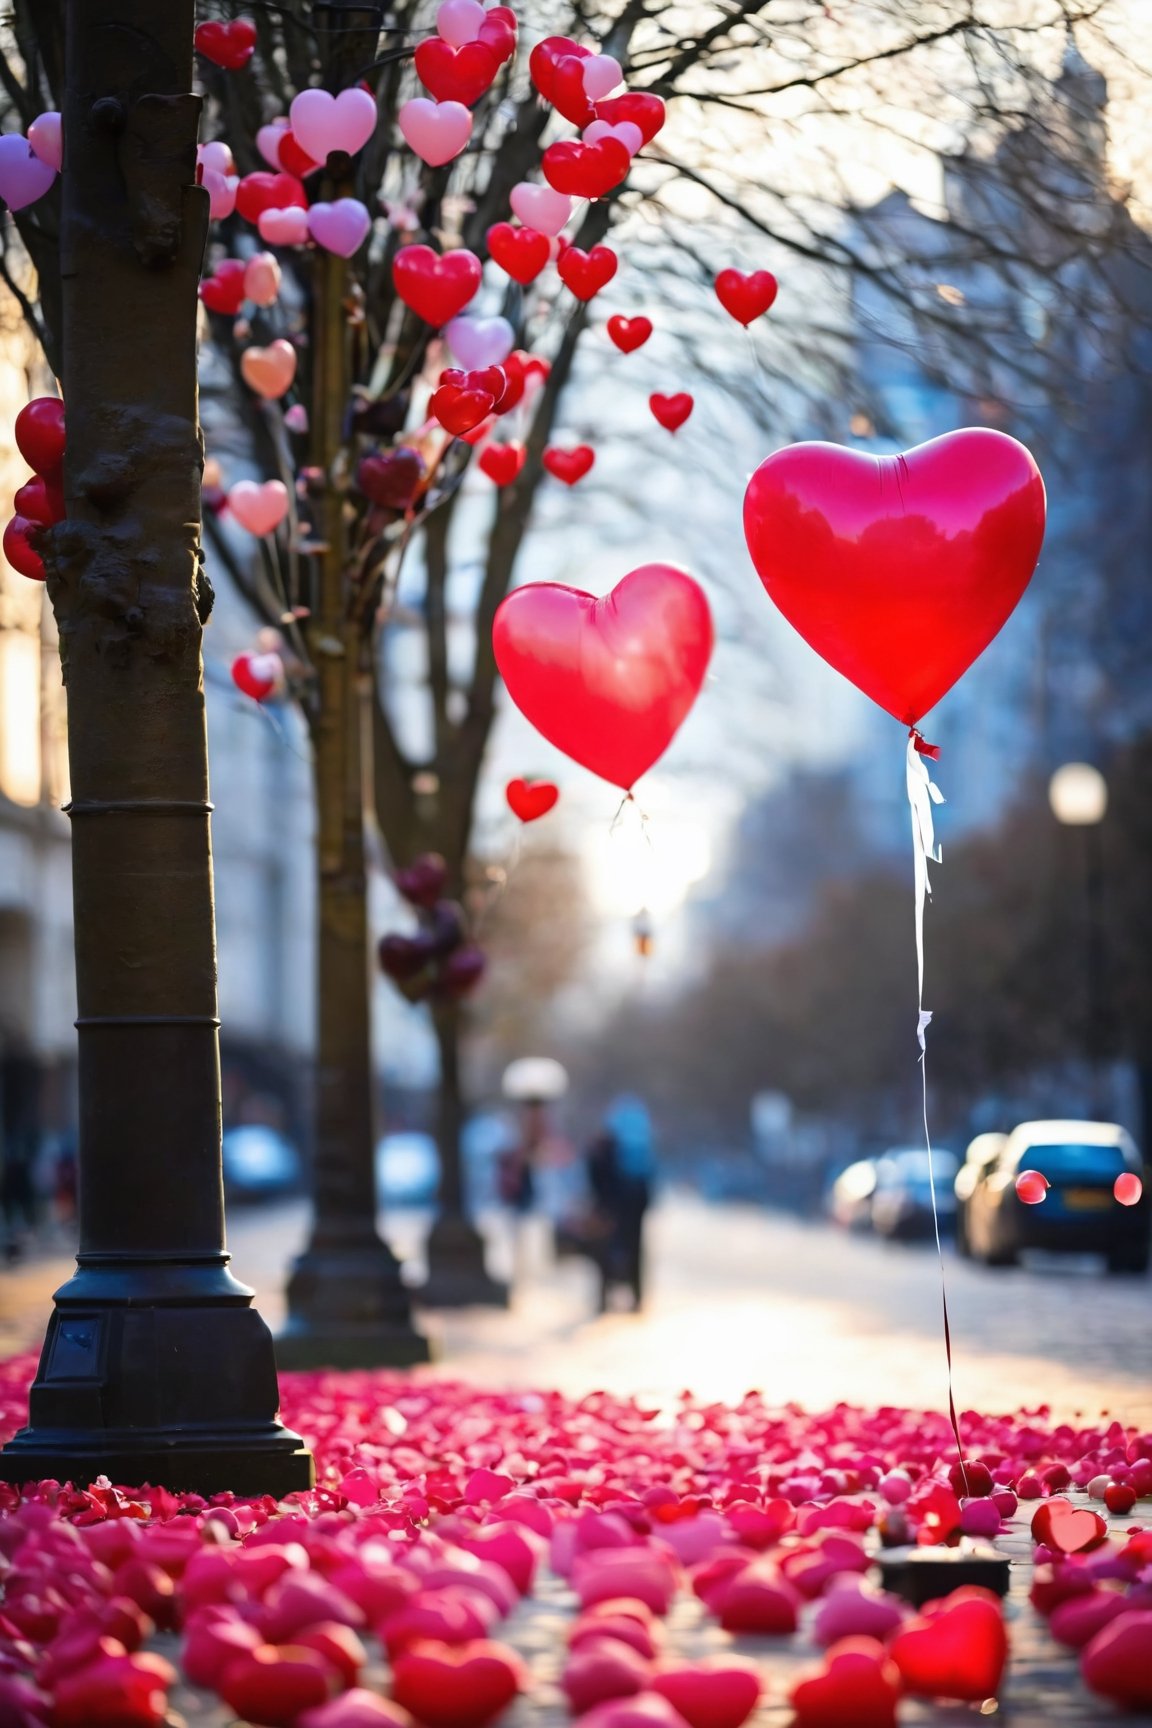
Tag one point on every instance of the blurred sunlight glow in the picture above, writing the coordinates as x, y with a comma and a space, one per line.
638, 867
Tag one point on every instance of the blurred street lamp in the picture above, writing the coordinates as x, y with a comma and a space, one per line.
534, 1080
1078, 796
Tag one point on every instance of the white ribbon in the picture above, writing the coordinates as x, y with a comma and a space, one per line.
922, 794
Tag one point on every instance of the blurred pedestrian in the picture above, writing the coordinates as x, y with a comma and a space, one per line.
621, 1167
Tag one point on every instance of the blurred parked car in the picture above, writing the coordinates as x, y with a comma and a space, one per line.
408, 1164
850, 1197
978, 1160
1078, 1214
902, 1203
259, 1163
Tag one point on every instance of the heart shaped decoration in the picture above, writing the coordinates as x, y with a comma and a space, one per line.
274, 1684
508, 1543
480, 342
547, 56
628, 334
341, 227
436, 287
464, 398
1118, 1662
392, 478
457, 1688
39, 434
322, 123
269, 138
956, 1648
601, 75
585, 273
228, 45
19, 533
757, 1599
671, 411
356, 1708
269, 371
603, 1668
540, 207
644, 1710
746, 298
460, 74
609, 682
570, 466
858, 1685
258, 192
585, 170
460, 21
294, 159
47, 139
569, 97
288, 227
531, 799
224, 291
637, 108
261, 279
503, 462
719, 1693
1068, 1529
520, 252
624, 132
436, 131
259, 507
221, 190
898, 570
24, 177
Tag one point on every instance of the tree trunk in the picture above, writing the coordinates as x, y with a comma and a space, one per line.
347, 1306
457, 1274
156, 1367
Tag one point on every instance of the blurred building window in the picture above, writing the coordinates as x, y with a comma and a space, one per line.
20, 769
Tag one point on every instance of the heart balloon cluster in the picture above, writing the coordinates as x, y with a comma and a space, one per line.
440, 962
39, 502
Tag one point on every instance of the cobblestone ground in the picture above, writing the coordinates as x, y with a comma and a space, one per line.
742, 1299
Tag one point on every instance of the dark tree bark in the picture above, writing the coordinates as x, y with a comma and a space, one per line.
156, 1367
346, 1303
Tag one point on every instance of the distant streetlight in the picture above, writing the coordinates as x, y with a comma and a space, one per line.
1078, 795
534, 1080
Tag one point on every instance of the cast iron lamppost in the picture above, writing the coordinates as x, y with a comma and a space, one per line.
1078, 795
156, 1368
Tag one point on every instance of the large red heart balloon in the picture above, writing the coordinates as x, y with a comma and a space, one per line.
721, 1692
607, 681
465, 1687
858, 1685
956, 1648
898, 570
1118, 1661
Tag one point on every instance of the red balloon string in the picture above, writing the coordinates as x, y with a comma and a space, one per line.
952, 1416
761, 376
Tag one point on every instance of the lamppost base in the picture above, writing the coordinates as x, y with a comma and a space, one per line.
457, 1274
158, 1372
347, 1308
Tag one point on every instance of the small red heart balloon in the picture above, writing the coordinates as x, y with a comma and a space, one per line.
531, 799
585, 273
608, 681
585, 170
230, 45
671, 411
569, 97
898, 570
39, 500
293, 159
265, 191
465, 1687
603, 1668
435, 286
955, 1648
19, 550
1066, 1528
39, 433
465, 398
520, 252
498, 32
502, 462
547, 56
858, 1685
392, 479
746, 298
275, 1683
569, 465
719, 1693
456, 74
224, 290
629, 333
638, 108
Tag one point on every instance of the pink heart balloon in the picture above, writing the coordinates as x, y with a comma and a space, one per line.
601, 75
259, 507
283, 227
339, 227
215, 155
645, 1710
269, 371
624, 131
480, 342
460, 21
262, 279
540, 207
848, 1611
23, 176
436, 131
322, 123
269, 139
47, 139
221, 190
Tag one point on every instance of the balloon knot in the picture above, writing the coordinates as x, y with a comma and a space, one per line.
921, 745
